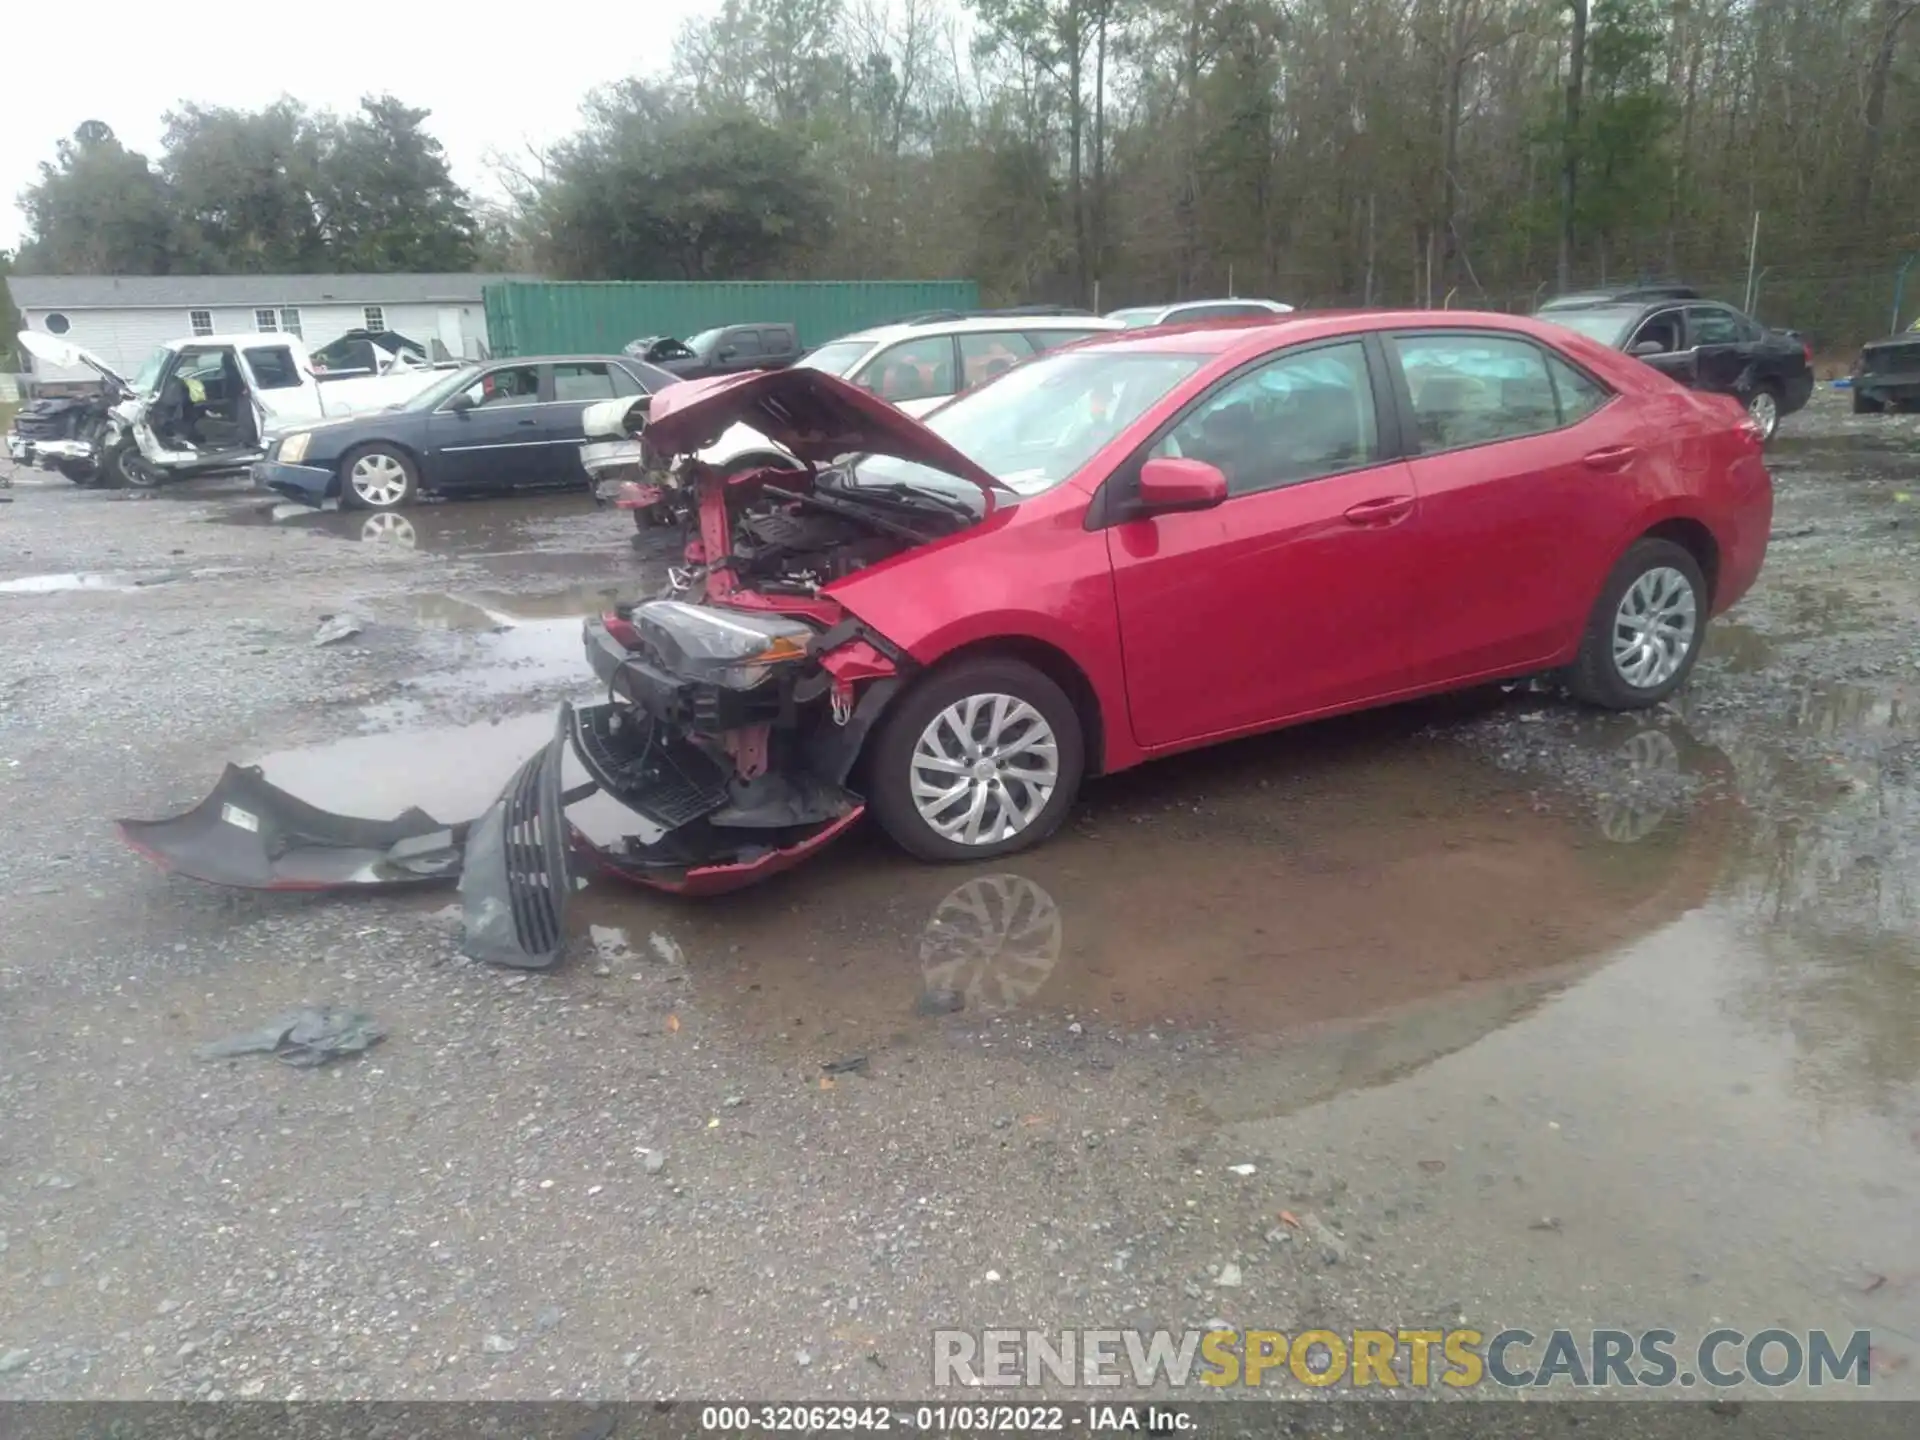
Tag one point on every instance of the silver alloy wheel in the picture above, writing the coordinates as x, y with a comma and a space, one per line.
1765, 411
388, 528
1653, 629
378, 479
984, 769
990, 944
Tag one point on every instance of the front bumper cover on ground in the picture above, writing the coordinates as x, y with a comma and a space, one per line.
512, 864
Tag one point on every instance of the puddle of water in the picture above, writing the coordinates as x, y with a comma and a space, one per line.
493, 609
471, 528
55, 584
1740, 648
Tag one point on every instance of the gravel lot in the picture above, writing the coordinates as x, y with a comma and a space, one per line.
1521, 1015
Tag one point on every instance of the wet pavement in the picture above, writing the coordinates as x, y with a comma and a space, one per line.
1521, 1015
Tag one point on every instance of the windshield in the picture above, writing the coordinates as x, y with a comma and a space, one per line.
1605, 323
146, 379
1138, 317
1037, 424
835, 359
454, 382
705, 340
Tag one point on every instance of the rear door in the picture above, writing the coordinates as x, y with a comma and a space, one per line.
1525, 469
576, 385
1298, 594
284, 390
1722, 352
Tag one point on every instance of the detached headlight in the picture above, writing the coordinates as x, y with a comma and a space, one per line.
293, 449
726, 647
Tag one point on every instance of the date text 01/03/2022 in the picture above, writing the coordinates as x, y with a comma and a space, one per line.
1012, 1419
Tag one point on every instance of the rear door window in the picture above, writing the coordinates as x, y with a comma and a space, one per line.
983, 356
1711, 325
273, 367
586, 381
1470, 389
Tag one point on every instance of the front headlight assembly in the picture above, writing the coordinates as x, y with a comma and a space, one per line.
293, 449
724, 647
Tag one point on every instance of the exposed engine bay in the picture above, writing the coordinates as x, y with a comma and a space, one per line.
789, 540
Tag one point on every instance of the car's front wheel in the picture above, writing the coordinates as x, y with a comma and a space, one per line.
1645, 631
980, 759
377, 477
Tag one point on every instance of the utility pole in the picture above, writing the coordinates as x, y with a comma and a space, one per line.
1753, 252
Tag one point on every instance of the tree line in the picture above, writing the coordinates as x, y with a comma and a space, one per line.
1104, 152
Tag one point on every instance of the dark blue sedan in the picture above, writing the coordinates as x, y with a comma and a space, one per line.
488, 428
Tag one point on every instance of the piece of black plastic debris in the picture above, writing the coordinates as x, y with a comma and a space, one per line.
852, 1065
304, 1038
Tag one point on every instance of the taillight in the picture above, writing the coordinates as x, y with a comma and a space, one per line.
1807, 350
620, 630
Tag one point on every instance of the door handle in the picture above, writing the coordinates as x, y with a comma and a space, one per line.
524, 422
1610, 457
1382, 511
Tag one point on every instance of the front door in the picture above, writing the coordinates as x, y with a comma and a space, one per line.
1296, 595
1525, 474
1666, 329
1721, 354
495, 439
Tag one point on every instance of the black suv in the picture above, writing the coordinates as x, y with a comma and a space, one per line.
1888, 374
1702, 343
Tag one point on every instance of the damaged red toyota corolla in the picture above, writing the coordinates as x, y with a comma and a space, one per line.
1128, 548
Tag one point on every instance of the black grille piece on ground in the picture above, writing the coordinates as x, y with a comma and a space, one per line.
515, 885
666, 781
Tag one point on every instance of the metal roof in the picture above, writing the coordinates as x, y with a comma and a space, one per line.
177, 292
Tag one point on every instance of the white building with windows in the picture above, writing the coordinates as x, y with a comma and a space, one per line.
123, 318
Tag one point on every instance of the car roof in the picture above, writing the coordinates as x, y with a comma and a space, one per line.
1276, 306
1252, 335
974, 324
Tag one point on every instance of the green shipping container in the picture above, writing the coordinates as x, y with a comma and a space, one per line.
599, 317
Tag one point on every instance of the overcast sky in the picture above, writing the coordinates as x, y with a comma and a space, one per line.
494, 75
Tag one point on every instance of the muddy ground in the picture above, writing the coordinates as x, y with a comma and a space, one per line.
1522, 1015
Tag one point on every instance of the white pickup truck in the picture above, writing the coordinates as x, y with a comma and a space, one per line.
212, 403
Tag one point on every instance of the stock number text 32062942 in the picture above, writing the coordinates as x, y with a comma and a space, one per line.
804, 1419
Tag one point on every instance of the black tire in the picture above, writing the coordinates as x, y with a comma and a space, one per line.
889, 758
123, 466
1866, 404
80, 472
409, 478
1594, 676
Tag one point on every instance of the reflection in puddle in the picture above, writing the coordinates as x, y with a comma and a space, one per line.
502, 525
53, 584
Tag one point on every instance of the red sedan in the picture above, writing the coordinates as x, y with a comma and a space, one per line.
1132, 547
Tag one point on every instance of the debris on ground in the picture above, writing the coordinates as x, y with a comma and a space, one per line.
1229, 1277
665, 947
335, 628
852, 1065
1243, 1170
1333, 1249
304, 1038
14, 1360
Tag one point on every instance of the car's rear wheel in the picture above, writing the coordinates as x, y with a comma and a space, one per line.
980, 759
1764, 406
1645, 631
378, 477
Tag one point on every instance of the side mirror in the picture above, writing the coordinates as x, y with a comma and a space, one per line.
1641, 349
1168, 485
460, 403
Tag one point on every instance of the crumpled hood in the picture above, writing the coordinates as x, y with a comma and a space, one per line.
52, 350
814, 416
